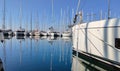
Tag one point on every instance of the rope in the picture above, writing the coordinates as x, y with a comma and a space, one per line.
92, 43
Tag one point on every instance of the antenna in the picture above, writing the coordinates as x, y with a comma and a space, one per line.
108, 9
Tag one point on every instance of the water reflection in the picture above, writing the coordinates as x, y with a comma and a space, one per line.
42, 54
1, 65
36, 54
80, 65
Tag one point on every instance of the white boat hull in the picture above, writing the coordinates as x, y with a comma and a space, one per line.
43, 33
66, 34
101, 38
37, 33
31, 33
51, 34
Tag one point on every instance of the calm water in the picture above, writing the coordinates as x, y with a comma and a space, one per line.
45, 54
42, 54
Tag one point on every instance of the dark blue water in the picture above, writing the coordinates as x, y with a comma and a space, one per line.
30, 54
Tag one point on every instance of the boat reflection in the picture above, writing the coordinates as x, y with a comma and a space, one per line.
20, 37
8, 37
66, 38
34, 54
43, 37
80, 65
82, 62
36, 37
1, 65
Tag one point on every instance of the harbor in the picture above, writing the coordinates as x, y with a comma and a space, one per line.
58, 35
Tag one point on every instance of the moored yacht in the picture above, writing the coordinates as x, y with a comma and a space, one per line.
52, 33
36, 33
99, 40
66, 34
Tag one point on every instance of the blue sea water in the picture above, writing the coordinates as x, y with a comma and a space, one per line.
36, 54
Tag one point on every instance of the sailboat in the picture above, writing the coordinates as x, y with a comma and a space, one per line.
98, 39
66, 33
6, 32
51, 32
20, 31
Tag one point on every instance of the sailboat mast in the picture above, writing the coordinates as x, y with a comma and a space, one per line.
27, 24
108, 9
52, 14
43, 20
3, 26
10, 21
61, 21
52, 8
37, 21
20, 15
31, 22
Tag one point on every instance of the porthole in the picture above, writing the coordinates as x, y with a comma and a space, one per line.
117, 43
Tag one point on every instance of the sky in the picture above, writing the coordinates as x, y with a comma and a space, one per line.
42, 9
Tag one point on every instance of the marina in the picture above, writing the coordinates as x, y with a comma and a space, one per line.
50, 35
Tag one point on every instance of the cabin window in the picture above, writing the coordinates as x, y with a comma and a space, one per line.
117, 43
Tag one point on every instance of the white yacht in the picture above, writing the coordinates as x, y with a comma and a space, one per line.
51, 32
66, 34
99, 40
36, 33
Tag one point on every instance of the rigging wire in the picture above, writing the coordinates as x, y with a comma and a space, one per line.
78, 6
